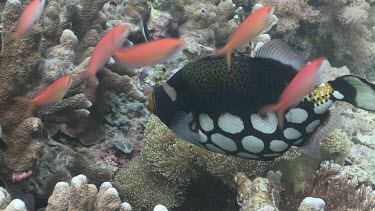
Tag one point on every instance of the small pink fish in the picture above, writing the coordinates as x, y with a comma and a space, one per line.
30, 15
301, 85
149, 53
251, 27
105, 48
55, 91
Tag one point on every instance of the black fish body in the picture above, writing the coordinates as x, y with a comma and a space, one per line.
204, 104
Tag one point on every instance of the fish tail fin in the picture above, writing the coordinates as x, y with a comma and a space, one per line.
228, 59
28, 101
354, 90
274, 108
280, 117
224, 51
17, 36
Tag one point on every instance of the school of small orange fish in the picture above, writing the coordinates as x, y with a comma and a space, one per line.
158, 51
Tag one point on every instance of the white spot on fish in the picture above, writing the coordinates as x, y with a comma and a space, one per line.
206, 122
247, 155
278, 145
298, 141
323, 107
171, 92
215, 149
224, 142
202, 137
296, 115
252, 144
312, 126
291, 133
230, 123
266, 125
272, 155
338, 95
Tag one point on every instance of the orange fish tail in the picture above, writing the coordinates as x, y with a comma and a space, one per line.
274, 108
228, 59
31, 107
17, 36
220, 52
268, 109
280, 117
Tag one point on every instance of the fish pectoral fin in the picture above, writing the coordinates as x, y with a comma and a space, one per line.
332, 122
278, 50
180, 126
354, 90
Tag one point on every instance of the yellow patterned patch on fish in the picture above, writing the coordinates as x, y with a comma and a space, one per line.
320, 94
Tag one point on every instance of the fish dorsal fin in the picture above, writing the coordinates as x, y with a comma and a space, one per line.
280, 51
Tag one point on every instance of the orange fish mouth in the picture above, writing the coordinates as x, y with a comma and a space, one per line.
151, 106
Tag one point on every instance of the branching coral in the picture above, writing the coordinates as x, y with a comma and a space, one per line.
336, 29
83, 196
338, 190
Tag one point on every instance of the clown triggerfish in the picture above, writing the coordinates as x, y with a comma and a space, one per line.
207, 106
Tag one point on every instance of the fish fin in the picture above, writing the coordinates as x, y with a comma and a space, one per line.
280, 117
274, 108
180, 126
229, 60
268, 109
278, 50
228, 55
17, 36
28, 101
354, 90
144, 28
332, 122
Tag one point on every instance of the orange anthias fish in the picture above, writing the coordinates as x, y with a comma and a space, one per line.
149, 53
55, 91
251, 27
32, 13
105, 48
302, 84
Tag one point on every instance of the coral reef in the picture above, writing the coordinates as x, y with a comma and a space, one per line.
312, 204
339, 190
97, 135
83, 196
47, 53
254, 195
337, 29
170, 166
